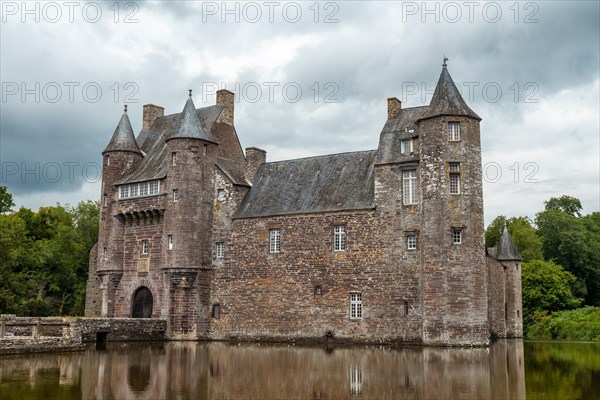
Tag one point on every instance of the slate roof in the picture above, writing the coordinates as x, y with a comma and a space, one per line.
395, 130
190, 126
232, 172
123, 138
336, 182
506, 250
153, 143
447, 100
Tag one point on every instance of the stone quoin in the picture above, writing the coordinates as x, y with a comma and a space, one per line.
383, 246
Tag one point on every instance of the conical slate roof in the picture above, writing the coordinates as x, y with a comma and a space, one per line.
190, 126
447, 100
123, 139
506, 248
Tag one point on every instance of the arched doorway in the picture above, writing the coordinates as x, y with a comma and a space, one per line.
142, 303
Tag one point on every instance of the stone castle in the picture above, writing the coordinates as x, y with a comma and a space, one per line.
384, 246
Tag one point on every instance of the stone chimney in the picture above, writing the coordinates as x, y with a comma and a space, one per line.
151, 113
225, 99
254, 157
394, 106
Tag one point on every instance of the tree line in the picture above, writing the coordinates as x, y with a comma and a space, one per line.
44, 257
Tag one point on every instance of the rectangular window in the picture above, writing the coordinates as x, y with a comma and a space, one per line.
407, 146
144, 246
355, 305
318, 289
174, 158
454, 183
107, 160
453, 131
216, 311
170, 242
219, 250
154, 187
457, 236
105, 200
274, 240
175, 195
405, 307
411, 241
409, 186
204, 150
105, 254
454, 166
139, 189
339, 238
221, 195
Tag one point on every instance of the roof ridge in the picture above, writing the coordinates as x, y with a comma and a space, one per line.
322, 156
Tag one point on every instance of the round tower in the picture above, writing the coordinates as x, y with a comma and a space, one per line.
120, 158
454, 288
191, 157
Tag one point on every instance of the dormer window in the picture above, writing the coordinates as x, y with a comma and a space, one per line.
453, 131
407, 146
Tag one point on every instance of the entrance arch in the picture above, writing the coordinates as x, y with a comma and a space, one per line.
142, 303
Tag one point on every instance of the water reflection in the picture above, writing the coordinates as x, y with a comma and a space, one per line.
190, 370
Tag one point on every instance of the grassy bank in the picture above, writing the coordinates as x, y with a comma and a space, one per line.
581, 324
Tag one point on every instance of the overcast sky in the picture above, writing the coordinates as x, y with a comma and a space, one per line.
310, 79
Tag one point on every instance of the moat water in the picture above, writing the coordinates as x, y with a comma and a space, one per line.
191, 370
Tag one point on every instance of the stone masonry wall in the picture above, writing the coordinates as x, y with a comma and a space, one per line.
273, 296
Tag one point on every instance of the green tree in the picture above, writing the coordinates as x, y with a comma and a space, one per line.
546, 288
574, 243
567, 204
523, 234
6, 200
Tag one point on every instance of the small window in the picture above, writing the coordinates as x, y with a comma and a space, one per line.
174, 158
144, 246
457, 236
107, 160
144, 187
411, 241
219, 250
339, 238
355, 305
216, 311
454, 166
318, 290
175, 195
205, 150
154, 187
105, 200
454, 183
453, 131
221, 195
170, 242
407, 146
409, 186
405, 307
105, 254
274, 240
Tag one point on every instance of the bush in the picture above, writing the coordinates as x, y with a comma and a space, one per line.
581, 324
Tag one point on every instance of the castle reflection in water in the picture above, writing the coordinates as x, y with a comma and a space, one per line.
249, 371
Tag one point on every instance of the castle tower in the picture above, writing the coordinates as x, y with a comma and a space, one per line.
453, 268
120, 158
191, 157
510, 259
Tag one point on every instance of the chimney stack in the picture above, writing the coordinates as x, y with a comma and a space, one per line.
394, 107
151, 113
254, 157
225, 99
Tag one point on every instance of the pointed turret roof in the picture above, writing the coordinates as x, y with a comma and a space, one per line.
123, 139
506, 248
447, 99
190, 126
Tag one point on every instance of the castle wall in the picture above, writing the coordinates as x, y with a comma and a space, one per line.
265, 295
93, 295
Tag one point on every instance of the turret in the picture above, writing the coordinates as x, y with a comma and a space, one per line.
510, 259
191, 158
120, 157
452, 236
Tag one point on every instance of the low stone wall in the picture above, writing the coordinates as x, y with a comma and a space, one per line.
121, 329
24, 344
